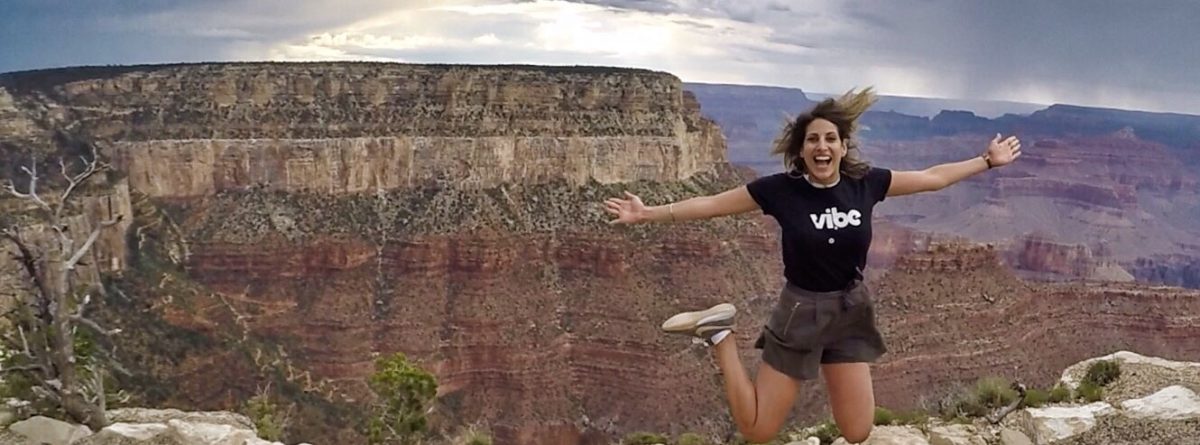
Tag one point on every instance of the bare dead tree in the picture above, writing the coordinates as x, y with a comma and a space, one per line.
999, 415
47, 317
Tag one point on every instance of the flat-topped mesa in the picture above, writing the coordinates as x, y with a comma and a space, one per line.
951, 256
410, 206
193, 130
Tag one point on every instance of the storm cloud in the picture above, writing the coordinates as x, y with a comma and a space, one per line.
1119, 54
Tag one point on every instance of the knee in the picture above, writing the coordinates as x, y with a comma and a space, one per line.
857, 434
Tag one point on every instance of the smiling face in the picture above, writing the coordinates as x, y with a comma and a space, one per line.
823, 151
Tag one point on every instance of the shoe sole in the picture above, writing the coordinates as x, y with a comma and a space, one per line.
688, 321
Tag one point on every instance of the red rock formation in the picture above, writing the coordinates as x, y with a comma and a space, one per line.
1130, 198
450, 213
1085, 196
528, 333
1040, 254
967, 317
349, 210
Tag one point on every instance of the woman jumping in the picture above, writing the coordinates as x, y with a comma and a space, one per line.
824, 321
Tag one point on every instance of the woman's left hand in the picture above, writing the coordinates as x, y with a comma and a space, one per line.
1003, 152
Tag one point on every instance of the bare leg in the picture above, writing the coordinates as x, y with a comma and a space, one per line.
759, 408
852, 398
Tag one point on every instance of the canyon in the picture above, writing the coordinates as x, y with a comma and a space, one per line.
336, 212
291, 222
1116, 190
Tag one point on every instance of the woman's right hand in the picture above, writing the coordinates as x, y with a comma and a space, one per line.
628, 211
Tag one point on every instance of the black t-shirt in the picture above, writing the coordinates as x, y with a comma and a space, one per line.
826, 231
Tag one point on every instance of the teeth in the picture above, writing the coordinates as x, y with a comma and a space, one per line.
823, 158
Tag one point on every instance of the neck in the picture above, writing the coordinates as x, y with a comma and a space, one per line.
834, 181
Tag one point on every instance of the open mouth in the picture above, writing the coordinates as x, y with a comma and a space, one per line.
823, 161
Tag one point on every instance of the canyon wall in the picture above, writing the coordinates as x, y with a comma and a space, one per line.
337, 212
347, 211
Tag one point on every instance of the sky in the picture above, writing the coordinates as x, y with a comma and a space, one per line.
1136, 55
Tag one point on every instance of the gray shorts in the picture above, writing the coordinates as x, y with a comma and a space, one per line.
806, 329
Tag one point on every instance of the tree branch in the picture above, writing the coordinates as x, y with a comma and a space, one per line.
48, 391
24, 341
32, 193
46, 388
42, 356
70, 264
89, 168
999, 415
28, 261
87, 298
22, 368
101, 399
121, 294
94, 326
112, 363
12, 344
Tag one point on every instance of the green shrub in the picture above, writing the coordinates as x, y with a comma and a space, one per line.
884, 416
1089, 392
268, 419
969, 407
827, 432
643, 438
988, 394
780, 439
404, 393
1035, 398
961, 420
1060, 394
994, 392
478, 438
691, 439
1102, 373
914, 417
471, 435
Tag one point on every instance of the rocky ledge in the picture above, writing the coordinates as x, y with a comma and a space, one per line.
1154, 401
138, 426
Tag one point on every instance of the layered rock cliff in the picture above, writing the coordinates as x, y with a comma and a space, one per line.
192, 130
1120, 184
291, 222
953, 313
336, 212
1127, 205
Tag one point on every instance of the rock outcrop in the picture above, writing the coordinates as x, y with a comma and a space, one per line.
1168, 414
953, 313
190, 131
324, 214
137, 426
1038, 256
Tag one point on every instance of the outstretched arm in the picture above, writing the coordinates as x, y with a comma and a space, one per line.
999, 153
631, 210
